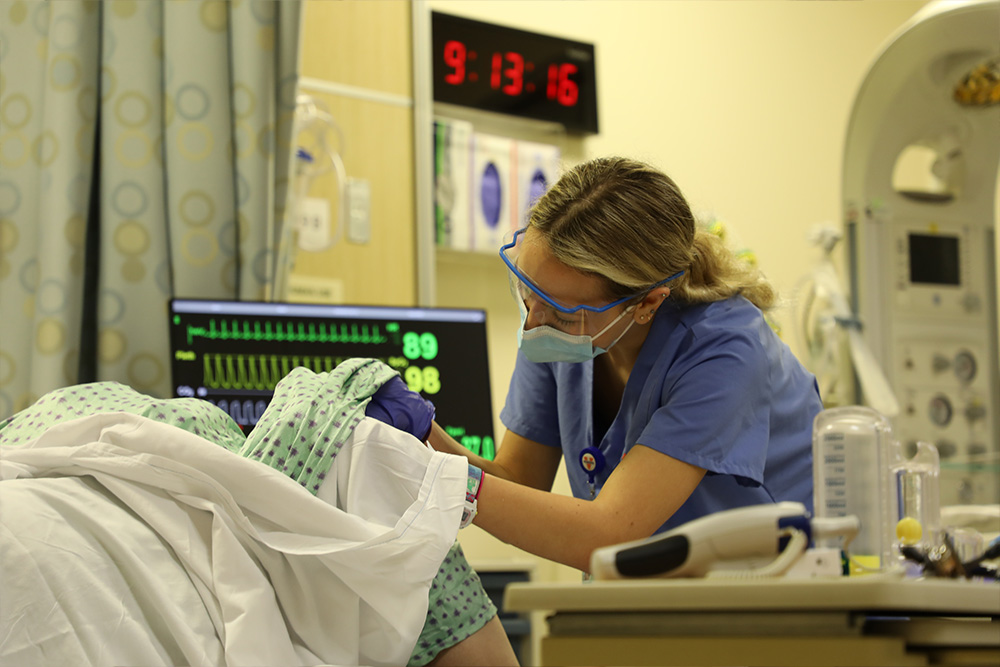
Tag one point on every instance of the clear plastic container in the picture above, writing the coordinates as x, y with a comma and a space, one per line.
918, 498
968, 543
853, 448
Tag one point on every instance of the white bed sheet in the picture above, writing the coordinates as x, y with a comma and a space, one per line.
125, 541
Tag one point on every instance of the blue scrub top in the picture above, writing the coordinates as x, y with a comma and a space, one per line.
713, 386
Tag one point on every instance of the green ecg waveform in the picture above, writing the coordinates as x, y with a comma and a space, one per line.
293, 332
258, 371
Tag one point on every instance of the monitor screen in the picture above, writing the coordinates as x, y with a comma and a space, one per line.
934, 259
233, 353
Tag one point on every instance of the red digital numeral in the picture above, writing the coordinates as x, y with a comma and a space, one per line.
495, 70
454, 56
561, 87
513, 74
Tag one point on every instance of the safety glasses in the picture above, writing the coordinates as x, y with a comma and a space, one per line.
565, 316
508, 253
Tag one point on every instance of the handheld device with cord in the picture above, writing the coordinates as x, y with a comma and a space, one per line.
781, 530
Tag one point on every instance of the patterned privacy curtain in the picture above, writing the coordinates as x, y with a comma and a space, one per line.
144, 153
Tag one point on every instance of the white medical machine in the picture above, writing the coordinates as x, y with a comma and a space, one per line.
919, 195
710, 545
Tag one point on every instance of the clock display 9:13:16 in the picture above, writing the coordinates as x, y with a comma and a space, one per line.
510, 73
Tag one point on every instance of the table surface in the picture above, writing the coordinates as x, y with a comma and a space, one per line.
869, 593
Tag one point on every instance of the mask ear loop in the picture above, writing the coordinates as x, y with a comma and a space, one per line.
631, 321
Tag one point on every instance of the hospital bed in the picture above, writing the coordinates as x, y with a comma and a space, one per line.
142, 536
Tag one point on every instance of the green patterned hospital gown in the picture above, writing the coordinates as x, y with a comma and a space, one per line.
308, 420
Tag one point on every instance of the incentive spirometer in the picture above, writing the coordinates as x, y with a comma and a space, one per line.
919, 195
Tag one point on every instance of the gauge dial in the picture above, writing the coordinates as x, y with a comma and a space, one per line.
940, 410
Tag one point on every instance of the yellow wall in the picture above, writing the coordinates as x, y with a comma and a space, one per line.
744, 102
366, 45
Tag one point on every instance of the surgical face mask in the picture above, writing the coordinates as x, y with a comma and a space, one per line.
562, 330
544, 343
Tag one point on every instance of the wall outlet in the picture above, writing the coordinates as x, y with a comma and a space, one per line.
314, 224
359, 202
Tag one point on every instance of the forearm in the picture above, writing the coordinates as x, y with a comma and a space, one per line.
556, 527
442, 442
643, 492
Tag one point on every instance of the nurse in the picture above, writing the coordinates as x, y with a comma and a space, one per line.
646, 363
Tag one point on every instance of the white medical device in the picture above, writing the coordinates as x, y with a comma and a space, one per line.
919, 195
700, 546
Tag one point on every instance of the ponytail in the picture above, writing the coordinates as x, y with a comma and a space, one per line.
716, 273
628, 222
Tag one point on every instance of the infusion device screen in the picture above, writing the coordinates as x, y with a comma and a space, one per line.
233, 353
934, 259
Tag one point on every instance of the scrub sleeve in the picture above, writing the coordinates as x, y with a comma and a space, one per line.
712, 386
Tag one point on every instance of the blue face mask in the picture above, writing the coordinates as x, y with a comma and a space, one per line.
545, 343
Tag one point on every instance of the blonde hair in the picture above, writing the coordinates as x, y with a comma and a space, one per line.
628, 222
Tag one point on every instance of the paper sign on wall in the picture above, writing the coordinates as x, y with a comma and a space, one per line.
536, 169
453, 184
492, 195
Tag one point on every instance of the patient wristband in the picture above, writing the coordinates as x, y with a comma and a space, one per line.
474, 484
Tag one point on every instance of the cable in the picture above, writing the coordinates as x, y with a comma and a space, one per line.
797, 544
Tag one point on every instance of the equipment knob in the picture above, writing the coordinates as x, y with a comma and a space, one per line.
975, 411
940, 410
946, 448
940, 363
965, 366
971, 302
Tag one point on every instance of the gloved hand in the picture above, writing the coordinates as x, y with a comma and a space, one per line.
397, 405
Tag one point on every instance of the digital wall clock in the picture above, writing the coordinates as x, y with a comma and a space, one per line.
505, 70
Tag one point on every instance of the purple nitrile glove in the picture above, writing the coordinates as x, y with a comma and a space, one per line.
398, 405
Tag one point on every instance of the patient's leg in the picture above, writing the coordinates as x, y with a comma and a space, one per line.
461, 627
486, 647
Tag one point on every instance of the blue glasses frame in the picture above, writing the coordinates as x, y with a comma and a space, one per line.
549, 300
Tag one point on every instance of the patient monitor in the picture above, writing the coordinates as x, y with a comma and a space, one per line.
919, 195
233, 353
